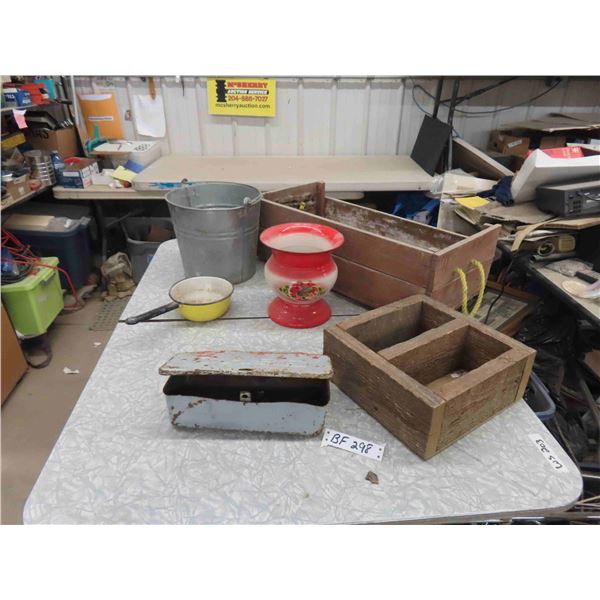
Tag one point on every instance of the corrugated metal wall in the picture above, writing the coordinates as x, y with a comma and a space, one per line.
326, 116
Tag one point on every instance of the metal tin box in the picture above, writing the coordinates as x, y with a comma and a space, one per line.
278, 392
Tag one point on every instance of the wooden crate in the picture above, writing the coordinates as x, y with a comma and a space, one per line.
427, 373
385, 258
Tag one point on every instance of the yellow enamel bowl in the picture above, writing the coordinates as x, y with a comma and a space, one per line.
202, 298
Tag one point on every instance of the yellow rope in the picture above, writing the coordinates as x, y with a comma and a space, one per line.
465, 290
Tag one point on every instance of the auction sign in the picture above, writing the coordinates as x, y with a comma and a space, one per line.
242, 97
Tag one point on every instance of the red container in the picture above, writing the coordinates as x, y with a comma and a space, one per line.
300, 271
37, 91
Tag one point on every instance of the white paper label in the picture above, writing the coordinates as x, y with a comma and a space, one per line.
548, 452
352, 444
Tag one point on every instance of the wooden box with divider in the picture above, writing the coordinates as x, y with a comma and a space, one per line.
385, 258
427, 373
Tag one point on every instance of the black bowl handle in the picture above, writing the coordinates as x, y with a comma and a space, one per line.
161, 310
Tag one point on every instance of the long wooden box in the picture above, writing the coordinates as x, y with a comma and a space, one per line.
427, 373
385, 258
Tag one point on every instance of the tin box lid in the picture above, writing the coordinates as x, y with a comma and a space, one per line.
256, 364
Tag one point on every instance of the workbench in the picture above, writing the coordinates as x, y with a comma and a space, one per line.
119, 459
342, 174
587, 308
267, 173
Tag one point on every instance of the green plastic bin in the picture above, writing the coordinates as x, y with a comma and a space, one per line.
34, 302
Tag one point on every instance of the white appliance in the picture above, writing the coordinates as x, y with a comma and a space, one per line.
120, 151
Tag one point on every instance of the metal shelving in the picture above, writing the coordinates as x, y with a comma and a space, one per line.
27, 106
32, 194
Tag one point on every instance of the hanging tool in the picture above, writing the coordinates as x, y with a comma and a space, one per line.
152, 88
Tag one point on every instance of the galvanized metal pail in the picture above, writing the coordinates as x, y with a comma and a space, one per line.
216, 224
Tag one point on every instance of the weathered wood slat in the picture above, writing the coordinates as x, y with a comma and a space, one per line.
480, 246
477, 396
371, 287
451, 293
432, 345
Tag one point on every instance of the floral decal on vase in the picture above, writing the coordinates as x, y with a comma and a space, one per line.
302, 290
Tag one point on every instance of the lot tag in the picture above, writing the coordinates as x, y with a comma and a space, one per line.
353, 444
548, 452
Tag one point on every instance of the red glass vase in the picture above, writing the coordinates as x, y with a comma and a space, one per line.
301, 272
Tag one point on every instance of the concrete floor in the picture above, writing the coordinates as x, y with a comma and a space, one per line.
38, 408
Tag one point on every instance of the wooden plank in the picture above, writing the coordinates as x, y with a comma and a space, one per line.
320, 198
401, 405
451, 293
434, 357
480, 394
394, 258
365, 318
528, 366
433, 315
509, 342
481, 347
470, 158
402, 353
389, 226
480, 246
389, 327
371, 287
284, 195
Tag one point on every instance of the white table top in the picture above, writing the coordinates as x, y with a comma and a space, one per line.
589, 306
340, 173
119, 459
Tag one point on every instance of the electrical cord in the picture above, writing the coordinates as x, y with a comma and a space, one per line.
43, 344
423, 110
475, 113
478, 92
500, 294
504, 277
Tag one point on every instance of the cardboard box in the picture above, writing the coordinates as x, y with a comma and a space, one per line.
12, 141
13, 96
63, 140
13, 361
505, 143
18, 189
79, 174
553, 141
